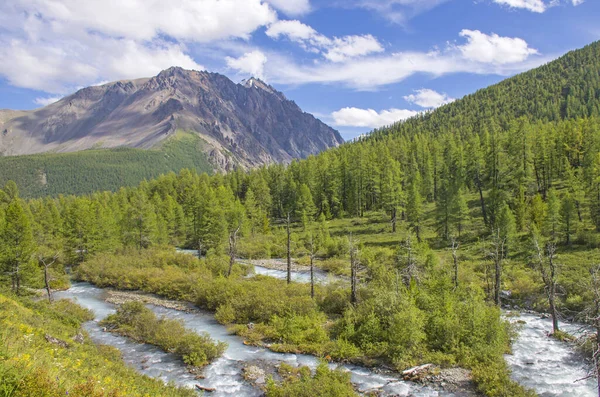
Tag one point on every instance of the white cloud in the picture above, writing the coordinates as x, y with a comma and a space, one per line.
293, 30
427, 98
531, 5
291, 7
61, 67
481, 47
356, 117
46, 101
337, 49
538, 6
398, 11
352, 46
195, 20
56, 46
252, 63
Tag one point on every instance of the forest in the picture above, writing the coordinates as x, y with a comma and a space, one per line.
433, 225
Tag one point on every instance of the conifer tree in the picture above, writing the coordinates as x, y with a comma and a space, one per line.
414, 206
18, 245
568, 213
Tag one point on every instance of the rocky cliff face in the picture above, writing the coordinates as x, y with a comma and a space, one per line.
247, 124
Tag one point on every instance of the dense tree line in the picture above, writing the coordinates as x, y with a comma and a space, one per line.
543, 176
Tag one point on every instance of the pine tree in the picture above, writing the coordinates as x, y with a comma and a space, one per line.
140, 226
568, 213
460, 212
18, 245
506, 226
553, 217
305, 206
414, 206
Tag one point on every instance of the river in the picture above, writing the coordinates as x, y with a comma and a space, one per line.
549, 367
225, 374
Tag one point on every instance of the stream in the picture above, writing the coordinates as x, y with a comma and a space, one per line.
225, 374
546, 365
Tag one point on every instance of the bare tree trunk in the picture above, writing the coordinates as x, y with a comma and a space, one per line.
455, 246
498, 256
394, 217
232, 249
47, 283
289, 250
18, 277
481, 201
594, 316
552, 286
353, 270
46, 266
312, 275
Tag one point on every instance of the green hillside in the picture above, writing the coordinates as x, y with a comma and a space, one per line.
103, 169
566, 88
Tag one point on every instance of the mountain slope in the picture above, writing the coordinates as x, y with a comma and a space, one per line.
566, 88
247, 124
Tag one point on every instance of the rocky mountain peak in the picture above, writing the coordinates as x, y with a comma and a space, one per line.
249, 124
256, 83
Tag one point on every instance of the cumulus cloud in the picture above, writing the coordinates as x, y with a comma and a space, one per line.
195, 20
46, 101
356, 117
337, 49
57, 68
427, 98
531, 5
252, 63
291, 7
481, 47
577, 2
56, 46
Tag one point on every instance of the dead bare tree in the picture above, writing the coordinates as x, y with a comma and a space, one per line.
232, 248
312, 251
497, 256
354, 263
289, 249
547, 267
592, 316
46, 263
409, 263
455, 246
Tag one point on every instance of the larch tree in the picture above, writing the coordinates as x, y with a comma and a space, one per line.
18, 243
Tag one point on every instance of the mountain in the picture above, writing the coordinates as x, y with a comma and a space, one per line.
566, 88
248, 124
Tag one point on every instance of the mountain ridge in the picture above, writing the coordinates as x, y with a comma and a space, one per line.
252, 121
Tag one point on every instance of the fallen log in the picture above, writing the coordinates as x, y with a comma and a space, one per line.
416, 372
207, 389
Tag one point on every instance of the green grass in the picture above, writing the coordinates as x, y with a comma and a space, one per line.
101, 169
32, 366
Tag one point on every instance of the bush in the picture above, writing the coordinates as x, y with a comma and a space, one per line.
136, 321
300, 383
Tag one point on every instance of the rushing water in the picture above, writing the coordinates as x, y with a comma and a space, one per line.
548, 366
225, 373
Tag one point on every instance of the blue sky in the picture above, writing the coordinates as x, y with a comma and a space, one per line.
356, 64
